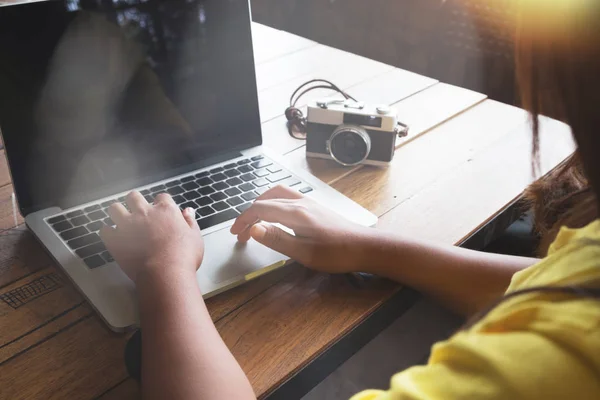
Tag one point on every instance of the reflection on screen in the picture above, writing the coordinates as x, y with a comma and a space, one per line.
93, 93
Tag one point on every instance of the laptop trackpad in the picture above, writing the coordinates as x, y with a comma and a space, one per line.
225, 258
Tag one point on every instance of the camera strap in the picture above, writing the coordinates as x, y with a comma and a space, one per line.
296, 121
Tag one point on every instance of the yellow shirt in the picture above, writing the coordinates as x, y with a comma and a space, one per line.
533, 346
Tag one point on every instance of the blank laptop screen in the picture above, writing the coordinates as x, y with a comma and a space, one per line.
98, 94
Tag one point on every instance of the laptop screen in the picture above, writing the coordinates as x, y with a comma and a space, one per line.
97, 95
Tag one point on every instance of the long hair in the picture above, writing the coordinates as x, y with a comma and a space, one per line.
558, 73
557, 66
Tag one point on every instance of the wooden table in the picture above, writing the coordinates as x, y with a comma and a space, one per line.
466, 160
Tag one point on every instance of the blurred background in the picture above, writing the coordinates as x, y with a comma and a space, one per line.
468, 43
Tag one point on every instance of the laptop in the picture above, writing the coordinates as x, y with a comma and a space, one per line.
98, 98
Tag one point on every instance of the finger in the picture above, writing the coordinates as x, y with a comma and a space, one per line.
118, 213
189, 214
107, 234
280, 192
280, 241
270, 211
137, 203
164, 198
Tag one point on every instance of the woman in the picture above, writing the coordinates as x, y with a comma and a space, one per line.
540, 341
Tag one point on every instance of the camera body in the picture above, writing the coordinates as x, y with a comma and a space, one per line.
352, 133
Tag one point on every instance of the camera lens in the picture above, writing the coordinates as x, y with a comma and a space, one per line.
349, 145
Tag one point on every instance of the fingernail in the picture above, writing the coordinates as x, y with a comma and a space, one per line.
190, 210
258, 232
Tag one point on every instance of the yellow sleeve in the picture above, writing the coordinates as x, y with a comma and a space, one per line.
513, 365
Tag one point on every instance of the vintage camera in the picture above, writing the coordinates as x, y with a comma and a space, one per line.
352, 133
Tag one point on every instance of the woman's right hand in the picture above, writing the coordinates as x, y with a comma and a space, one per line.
323, 240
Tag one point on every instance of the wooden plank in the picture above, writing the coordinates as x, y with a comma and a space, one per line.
488, 181
34, 307
280, 331
270, 43
81, 361
126, 390
20, 255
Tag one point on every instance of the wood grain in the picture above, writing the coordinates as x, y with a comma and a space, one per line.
126, 390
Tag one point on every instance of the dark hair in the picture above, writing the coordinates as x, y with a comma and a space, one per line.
557, 65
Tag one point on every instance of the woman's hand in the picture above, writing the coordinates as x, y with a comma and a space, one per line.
324, 240
156, 240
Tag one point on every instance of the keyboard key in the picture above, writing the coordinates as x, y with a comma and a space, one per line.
175, 190
220, 186
305, 190
108, 222
204, 201
261, 182
96, 215
261, 164
92, 208
249, 196
144, 192
233, 192
245, 168
218, 196
74, 213
205, 191
149, 198
73, 233
91, 250
218, 177
94, 261
202, 174
220, 206
78, 221
234, 181
235, 201
62, 226
215, 170
173, 183
159, 188
189, 204
190, 186
108, 203
188, 178
243, 207
95, 226
256, 158
218, 218
204, 182
192, 195
242, 162
261, 173
205, 211
54, 220
248, 177
232, 172
262, 190
107, 256
246, 187
83, 241
274, 168
121, 199
179, 199
291, 181
229, 166
278, 176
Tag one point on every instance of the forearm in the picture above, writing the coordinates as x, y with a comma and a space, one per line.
183, 355
464, 280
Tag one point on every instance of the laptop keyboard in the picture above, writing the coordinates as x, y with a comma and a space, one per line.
218, 195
